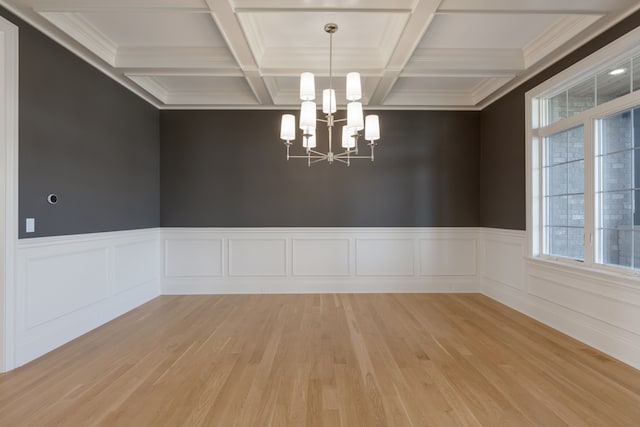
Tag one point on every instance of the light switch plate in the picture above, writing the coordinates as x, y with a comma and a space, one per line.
31, 225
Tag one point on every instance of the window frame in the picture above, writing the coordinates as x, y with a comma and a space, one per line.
628, 46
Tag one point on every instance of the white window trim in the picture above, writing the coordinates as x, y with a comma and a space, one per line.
621, 49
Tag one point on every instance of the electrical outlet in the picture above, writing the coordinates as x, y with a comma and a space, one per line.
31, 225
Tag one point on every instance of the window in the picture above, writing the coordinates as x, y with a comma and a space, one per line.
564, 193
618, 189
584, 161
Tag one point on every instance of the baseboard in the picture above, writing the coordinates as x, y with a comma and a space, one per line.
69, 285
599, 311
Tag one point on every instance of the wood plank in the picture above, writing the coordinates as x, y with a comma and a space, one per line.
323, 360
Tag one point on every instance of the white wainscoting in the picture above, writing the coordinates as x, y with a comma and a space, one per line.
68, 285
304, 260
599, 309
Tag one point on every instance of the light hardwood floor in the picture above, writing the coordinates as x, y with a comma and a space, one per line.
322, 360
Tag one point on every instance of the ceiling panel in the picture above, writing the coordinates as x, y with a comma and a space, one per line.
482, 31
197, 90
168, 29
302, 42
250, 53
325, 4
437, 84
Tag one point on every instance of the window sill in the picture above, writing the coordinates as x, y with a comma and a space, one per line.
630, 280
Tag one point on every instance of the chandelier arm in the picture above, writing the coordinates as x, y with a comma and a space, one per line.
351, 157
312, 151
341, 160
323, 157
347, 153
317, 161
340, 120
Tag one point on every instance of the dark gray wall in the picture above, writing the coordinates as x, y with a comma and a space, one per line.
502, 154
228, 169
86, 138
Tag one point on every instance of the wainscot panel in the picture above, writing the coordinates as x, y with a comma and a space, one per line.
599, 309
448, 257
303, 260
69, 285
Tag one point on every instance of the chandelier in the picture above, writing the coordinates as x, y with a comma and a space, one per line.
350, 131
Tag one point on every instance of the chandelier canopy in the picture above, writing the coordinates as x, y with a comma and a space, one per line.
350, 131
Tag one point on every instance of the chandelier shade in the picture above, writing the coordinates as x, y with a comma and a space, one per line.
354, 90
309, 141
288, 127
372, 128
307, 87
329, 101
348, 139
354, 122
308, 115
354, 116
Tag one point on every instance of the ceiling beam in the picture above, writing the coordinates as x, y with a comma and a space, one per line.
417, 25
231, 30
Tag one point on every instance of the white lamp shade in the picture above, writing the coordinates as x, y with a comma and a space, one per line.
309, 142
307, 87
354, 89
372, 128
329, 103
288, 127
308, 131
348, 140
354, 116
308, 115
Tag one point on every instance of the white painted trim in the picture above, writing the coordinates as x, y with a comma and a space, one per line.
377, 260
9, 201
496, 265
625, 47
228, 19
570, 46
565, 28
487, 86
599, 308
86, 34
39, 22
69, 285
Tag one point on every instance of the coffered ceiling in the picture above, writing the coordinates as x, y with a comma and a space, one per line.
431, 54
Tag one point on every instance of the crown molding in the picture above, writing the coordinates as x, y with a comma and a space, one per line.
564, 29
488, 86
578, 40
84, 33
149, 84
41, 24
